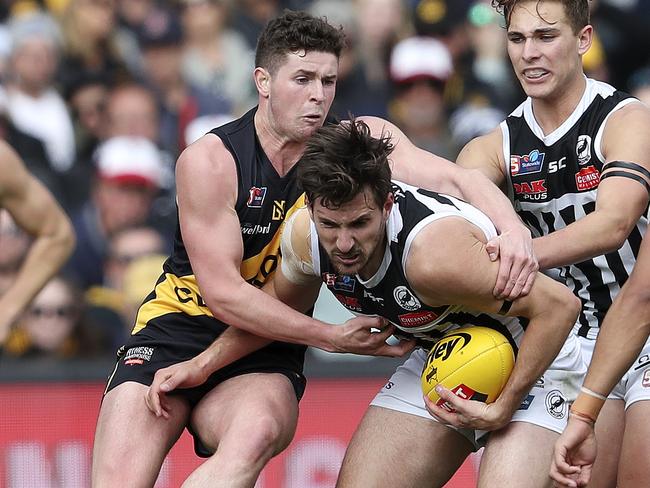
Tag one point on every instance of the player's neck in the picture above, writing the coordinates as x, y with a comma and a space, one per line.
551, 112
282, 151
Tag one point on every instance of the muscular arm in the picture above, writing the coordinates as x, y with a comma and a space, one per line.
34, 210
448, 264
472, 180
620, 201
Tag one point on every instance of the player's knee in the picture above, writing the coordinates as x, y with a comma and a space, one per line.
265, 437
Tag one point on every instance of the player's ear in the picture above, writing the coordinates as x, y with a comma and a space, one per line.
585, 37
262, 81
388, 205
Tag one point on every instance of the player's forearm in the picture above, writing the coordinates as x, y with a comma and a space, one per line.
541, 343
230, 346
250, 309
590, 236
620, 340
45, 257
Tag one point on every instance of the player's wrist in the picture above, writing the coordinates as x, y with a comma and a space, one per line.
588, 404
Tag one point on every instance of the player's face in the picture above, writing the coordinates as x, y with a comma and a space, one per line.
353, 235
301, 93
544, 51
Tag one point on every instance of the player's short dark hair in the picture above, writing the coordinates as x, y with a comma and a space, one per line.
341, 161
577, 11
295, 31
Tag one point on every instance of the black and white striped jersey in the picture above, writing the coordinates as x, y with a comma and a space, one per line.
553, 179
389, 294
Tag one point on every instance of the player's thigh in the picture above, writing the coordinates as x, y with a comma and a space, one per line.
130, 441
518, 455
253, 410
401, 450
634, 464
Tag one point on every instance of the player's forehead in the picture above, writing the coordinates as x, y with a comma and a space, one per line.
533, 16
320, 63
362, 206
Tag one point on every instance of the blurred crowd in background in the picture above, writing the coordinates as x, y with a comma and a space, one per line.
99, 97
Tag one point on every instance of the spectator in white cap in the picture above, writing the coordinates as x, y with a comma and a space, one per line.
130, 172
419, 69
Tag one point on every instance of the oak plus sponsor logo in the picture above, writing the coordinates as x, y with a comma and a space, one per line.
531, 190
138, 355
556, 404
533, 162
416, 319
249, 229
406, 299
583, 149
587, 178
351, 303
256, 196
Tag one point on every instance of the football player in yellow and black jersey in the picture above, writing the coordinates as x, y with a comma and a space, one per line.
236, 186
576, 162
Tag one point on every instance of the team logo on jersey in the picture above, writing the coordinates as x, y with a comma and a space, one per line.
329, 279
646, 379
256, 197
416, 319
406, 299
278, 209
587, 178
351, 303
531, 190
344, 283
583, 149
524, 165
556, 404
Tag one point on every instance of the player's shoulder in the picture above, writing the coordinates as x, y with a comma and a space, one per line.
208, 153
634, 112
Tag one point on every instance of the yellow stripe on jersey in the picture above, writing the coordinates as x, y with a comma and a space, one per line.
172, 295
259, 268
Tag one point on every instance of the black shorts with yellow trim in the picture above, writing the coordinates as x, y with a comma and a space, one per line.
177, 337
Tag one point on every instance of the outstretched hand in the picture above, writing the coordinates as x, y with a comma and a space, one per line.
368, 335
574, 455
466, 414
181, 375
517, 263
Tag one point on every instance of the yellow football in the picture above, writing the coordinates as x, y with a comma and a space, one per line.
473, 362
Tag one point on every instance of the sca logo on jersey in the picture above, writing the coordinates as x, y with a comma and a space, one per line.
446, 346
256, 197
344, 283
583, 149
587, 178
524, 165
406, 299
533, 190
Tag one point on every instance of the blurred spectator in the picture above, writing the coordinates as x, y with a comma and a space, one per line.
130, 172
132, 110
639, 84
250, 16
419, 68
33, 104
53, 326
112, 306
90, 42
215, 57
179, 101
471, 120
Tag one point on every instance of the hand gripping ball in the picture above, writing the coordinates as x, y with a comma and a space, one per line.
473, 362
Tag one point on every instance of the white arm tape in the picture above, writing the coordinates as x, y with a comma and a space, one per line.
294, 267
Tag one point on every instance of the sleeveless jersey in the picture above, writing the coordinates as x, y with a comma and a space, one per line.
553, 181
388, 293
264, 200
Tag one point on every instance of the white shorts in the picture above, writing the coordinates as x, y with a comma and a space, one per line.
547, 405
635, 384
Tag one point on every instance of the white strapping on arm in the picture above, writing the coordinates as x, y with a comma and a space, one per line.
297, 269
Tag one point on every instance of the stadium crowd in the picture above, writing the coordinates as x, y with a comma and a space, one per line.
99, 97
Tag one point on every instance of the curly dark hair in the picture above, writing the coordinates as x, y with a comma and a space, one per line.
577, 11
295, 31
341, 161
